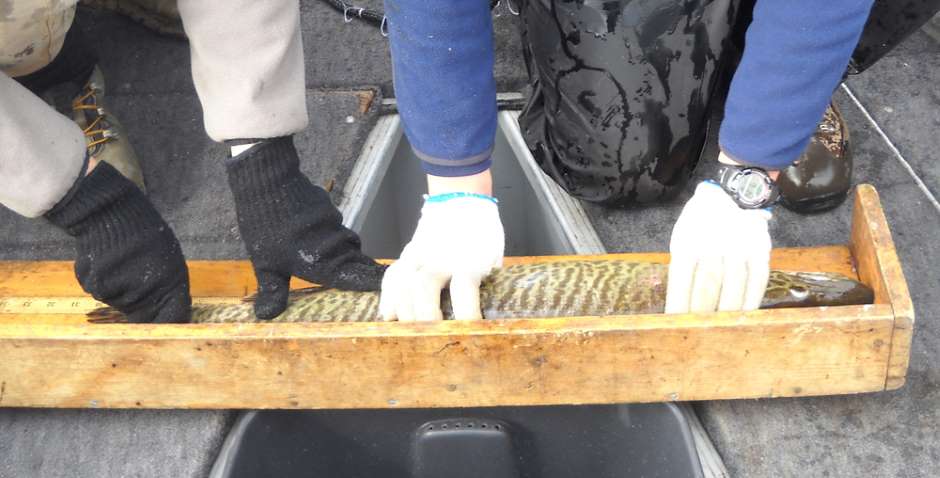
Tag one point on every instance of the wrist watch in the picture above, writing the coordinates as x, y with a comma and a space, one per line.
749, 187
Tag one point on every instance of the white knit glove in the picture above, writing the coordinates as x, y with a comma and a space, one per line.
459, 239
720, 254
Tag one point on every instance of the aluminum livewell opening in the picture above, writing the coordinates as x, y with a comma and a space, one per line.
385, 208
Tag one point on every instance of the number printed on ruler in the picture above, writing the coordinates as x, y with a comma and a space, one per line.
76, 305
48, 305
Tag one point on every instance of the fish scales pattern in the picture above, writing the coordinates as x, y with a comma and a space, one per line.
553, 289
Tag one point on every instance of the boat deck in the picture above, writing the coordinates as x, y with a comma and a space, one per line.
891, 111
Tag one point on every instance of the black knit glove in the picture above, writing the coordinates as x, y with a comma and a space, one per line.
291, 228
127, 256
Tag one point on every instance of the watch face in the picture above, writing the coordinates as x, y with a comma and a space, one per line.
752, 188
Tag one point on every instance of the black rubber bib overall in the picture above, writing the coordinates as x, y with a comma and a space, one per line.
622, 90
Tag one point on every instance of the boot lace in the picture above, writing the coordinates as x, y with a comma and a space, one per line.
98, 131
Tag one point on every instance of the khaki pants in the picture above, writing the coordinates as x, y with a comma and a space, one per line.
247, 65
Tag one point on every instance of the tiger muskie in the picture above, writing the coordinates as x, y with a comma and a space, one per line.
551, 289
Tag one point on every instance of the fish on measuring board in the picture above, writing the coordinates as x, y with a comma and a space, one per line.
549, 289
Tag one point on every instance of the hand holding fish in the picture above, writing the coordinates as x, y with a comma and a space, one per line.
127, 255
720, 255
460, 240
291, 228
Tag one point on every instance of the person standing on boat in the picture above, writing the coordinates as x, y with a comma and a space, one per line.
76, 168
794, 57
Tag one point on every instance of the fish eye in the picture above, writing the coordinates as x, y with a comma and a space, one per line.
799, 292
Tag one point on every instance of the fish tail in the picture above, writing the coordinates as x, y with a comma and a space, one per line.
106, 315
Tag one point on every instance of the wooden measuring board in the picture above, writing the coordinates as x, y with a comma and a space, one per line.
50, 356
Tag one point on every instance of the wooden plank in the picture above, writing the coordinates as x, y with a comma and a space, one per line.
773, 353
67, 310
235, 278
879, 267
57, 279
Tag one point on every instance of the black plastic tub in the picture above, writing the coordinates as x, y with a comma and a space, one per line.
578, 441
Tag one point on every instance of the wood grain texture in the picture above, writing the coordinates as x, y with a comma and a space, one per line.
880, 268
235, 278
773, 353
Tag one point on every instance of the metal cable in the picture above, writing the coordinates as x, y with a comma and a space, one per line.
376, 17
350, 11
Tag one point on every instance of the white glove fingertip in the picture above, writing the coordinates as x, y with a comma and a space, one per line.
387, 308
679, 284
706, 285
733, 285
426, 296
404, 308
402, 295
465, 297
758, 273
388, 294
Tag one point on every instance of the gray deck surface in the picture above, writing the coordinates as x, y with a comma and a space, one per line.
887, 434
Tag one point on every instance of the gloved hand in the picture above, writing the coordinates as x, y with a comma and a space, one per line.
127, 256
720, 254
459, 239
291, 228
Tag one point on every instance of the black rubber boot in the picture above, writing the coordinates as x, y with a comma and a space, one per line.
821, 178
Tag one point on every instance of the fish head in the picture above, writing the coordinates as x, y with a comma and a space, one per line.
812, 289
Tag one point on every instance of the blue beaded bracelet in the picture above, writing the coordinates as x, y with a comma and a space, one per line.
448, 196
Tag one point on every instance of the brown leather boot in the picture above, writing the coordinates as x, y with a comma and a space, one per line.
161, 16
821, 178
103, 133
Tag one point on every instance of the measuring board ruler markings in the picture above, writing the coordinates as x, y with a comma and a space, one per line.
78, 305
